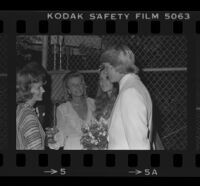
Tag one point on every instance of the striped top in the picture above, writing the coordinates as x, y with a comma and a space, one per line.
29, 132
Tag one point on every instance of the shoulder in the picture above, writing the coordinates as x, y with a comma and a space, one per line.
23, 112
130, 91
26, 117
64, 106
91, 102
130, 95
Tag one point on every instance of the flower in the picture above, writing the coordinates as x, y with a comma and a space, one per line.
95, 135
104, 133
90, 134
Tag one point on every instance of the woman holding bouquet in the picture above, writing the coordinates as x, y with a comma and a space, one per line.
72, 115
95, 137
106, 96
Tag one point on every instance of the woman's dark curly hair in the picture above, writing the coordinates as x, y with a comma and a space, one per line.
104, 104
29, 74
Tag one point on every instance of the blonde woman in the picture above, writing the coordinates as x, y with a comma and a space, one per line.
74, 113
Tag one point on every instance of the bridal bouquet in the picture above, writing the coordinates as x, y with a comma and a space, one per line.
95, 135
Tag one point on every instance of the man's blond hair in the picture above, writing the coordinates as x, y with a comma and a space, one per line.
121, 57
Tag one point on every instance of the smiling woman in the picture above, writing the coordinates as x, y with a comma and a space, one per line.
29, 90
74, 114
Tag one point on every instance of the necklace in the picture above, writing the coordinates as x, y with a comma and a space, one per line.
25, 105
78, 104
28, 105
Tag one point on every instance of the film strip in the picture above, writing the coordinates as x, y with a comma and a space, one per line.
166, 47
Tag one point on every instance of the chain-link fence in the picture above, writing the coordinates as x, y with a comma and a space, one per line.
3, 93
162, 58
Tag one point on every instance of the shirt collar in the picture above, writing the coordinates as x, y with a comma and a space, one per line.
126, 77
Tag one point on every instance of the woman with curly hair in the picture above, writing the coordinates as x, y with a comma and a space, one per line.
106, 96
29, 90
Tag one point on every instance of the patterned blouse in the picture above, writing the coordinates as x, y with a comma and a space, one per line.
29, 132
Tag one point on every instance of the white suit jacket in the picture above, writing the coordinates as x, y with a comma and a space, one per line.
131, 118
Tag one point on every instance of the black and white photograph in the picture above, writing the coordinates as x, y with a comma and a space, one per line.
101, 92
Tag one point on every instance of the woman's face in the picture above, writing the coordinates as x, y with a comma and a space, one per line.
105, 83
76, 87
37, 90
112, 73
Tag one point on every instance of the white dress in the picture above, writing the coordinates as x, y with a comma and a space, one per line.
69, 125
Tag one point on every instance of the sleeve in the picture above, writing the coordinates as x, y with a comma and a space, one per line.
60, 118
92, 108
134, 117
92, 104
31, 133
59, 137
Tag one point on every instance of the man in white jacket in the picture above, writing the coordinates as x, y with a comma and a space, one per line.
131, 118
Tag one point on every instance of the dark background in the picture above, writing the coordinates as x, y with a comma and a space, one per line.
198, 93
3, 92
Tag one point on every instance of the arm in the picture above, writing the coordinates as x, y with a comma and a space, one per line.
59, 137
134, 117
59, 119
31, 133
92, 108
